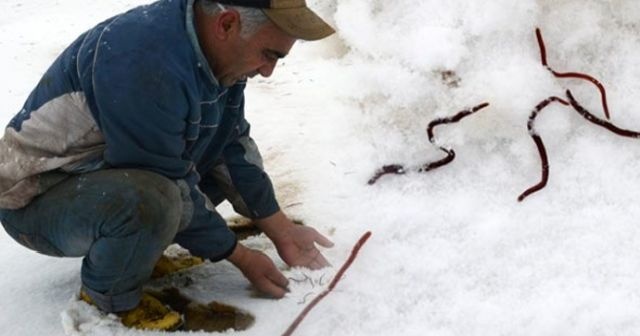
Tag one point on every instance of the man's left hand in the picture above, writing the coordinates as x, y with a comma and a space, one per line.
296, 244
297, 247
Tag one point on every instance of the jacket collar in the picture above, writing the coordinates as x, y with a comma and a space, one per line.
193, 36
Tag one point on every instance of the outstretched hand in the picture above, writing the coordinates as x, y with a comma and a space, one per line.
297, 247
260, 271
296, 244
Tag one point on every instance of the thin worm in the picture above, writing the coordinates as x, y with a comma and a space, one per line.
544, 159
386, 170
298, 280
313, 284
320, 282
602, 123
398, 169
579, 75
451, 155
332, 285
304, 299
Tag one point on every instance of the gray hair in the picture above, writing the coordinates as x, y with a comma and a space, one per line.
251, 19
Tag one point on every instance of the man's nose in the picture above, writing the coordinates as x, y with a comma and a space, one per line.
267, 69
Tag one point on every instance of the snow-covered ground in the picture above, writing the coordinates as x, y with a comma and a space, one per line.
452, 252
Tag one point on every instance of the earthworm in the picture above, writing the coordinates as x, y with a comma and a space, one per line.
304, 299
579, 75
320, 281
390, 169
305, 279
602, 123
451, 154
540, 145
332, 285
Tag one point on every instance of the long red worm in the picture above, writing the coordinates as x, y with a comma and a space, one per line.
538, 141
579, 75
602, 123
332, 285
544, 159
398, 169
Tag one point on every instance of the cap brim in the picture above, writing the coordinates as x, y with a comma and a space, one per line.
301, 23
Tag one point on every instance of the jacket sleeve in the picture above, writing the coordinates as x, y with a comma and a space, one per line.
142, 107
254, 195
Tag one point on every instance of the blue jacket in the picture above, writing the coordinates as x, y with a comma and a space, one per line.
136, 92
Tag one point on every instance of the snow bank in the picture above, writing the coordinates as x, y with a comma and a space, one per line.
398, 52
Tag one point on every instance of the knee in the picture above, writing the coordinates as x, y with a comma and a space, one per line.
145, 202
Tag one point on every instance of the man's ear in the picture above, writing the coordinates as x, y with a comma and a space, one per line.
227, 24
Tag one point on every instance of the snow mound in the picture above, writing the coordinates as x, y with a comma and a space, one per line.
83, 319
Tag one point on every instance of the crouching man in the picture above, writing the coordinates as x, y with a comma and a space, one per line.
135, 134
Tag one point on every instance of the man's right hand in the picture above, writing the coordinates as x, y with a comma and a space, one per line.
260, 271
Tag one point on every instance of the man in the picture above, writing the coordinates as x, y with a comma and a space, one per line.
136, 132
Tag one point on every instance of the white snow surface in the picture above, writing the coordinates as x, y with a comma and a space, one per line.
452, 251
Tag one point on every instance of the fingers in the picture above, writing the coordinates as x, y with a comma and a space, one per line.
266, 286
313, 259
266, 277
274, 283
315, 265
323, 241
318, 262
278, 279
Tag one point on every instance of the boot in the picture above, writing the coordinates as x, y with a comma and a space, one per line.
149, 314
167, 265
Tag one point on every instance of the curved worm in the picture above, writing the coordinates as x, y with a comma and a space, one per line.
579, 75
451, 155
602, 123
544, 159
398, 169
386, 170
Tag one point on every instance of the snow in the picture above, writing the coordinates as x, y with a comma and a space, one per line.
452, 251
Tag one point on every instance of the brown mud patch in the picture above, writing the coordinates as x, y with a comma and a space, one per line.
210, 317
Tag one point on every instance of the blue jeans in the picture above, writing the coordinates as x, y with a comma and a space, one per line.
119, 220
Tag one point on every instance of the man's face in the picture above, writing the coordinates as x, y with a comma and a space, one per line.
256, 55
